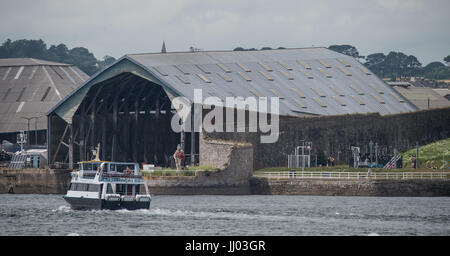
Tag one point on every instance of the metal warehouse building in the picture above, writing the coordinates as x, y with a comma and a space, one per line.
29, 88
127, 107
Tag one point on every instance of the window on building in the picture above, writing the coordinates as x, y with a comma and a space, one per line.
267, 68
344, 62
224, 68
245, 68
182, 79
266, 75
324, 64
285, 74
225, 77
203, 77
321, 103
304, 64
245, 77
299, 93
203, 68
160, 71
286, 66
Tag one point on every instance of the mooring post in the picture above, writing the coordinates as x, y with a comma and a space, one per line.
192, 136
417, 155
71, 147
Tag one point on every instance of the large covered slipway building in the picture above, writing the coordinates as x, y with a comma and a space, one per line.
29, 88
126, 108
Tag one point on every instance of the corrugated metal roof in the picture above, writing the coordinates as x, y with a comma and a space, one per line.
420, 96
11, 62
30, 88
259, 65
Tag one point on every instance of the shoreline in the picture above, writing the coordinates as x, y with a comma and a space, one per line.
30, 181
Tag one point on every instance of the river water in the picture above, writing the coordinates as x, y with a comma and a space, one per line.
231, 215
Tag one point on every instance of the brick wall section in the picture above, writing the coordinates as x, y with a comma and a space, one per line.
264, 186
335, 134
234, 159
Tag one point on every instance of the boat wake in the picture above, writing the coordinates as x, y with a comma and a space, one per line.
207, 214
63, 208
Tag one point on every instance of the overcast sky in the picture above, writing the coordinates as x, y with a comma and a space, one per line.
416, 27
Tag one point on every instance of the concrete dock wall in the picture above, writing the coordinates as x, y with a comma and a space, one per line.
57, 182
336, 187
33, 181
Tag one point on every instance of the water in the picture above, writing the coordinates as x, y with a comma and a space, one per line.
231, 215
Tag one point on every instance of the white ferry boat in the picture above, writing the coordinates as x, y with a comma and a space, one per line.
108, 185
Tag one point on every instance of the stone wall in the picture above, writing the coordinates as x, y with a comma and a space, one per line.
333, 135
330, 187
33, 181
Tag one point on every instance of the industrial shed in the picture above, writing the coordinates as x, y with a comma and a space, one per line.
127, 106
28, 89
423, 97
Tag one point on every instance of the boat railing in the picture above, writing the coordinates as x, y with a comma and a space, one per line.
120, 177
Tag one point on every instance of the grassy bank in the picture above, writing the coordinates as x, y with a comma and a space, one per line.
431, 156
188, 171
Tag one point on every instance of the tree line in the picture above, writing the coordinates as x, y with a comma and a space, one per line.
392, 65
397, 64
78, 56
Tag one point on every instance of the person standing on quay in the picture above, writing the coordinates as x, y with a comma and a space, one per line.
176, 157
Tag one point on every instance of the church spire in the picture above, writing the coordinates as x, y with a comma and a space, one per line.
163, 49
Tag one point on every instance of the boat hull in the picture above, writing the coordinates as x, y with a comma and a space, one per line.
77, 203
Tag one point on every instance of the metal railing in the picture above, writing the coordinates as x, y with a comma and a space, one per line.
355, 175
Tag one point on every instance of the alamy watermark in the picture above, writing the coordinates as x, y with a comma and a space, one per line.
257, 108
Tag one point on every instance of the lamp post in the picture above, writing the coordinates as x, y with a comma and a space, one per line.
376, 155
28, 128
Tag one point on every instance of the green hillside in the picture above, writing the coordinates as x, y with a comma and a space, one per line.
430, 156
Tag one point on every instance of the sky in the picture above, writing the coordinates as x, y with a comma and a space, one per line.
115, 28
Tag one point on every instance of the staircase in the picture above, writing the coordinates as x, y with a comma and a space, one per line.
18, 161
392, 163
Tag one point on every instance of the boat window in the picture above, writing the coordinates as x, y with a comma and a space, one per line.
123, 168
90, 166
137, 189
92, 188
109, 189
129, 190
82, 187
120, 189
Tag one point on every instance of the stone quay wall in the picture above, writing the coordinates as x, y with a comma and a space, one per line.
34, 181
336, 187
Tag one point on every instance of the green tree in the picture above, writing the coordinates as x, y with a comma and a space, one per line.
447, 60
24, 49
84, 59
60, 52
107, 60
346, 49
